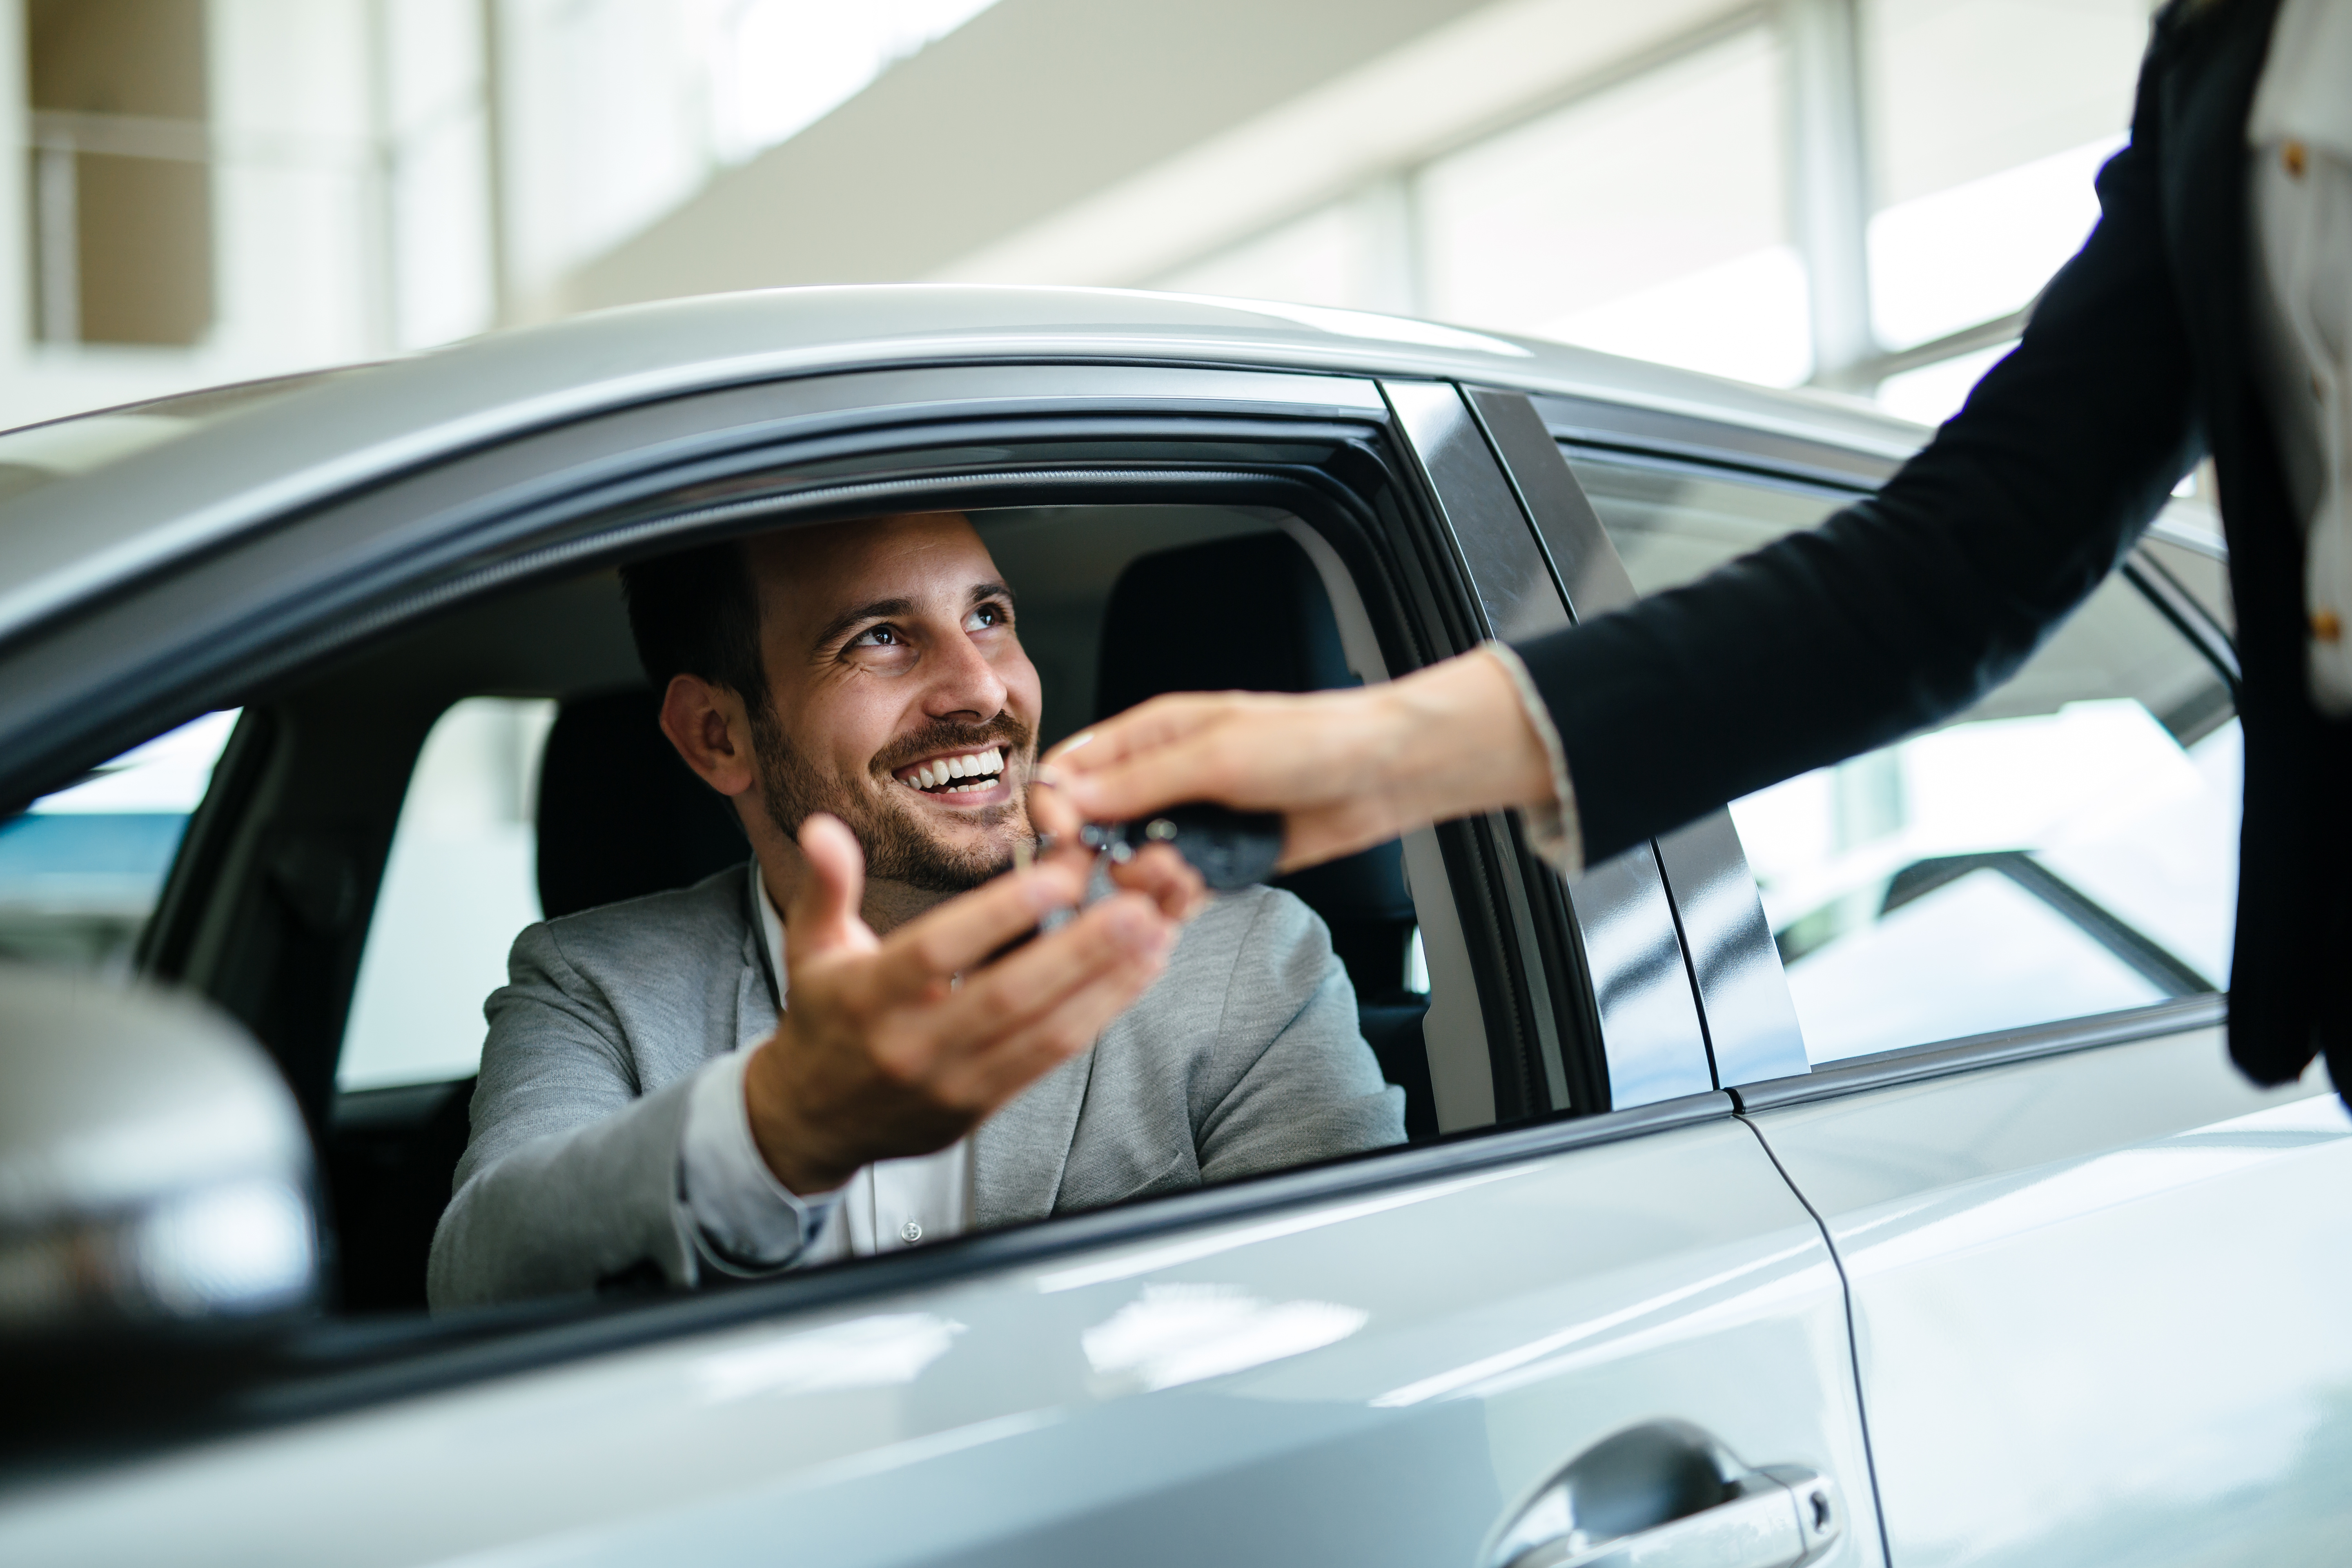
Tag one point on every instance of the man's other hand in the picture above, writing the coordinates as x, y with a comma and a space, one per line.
898, 1046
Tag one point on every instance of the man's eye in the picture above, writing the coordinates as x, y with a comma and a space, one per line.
877, 637
986, 615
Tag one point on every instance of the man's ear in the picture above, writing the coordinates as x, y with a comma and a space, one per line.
709, 726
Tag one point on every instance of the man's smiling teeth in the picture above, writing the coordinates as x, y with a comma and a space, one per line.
980, 767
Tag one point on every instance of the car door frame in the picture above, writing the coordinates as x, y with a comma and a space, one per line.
492, 526
1484, 538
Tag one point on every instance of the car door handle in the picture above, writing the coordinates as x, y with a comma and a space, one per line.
1666, 1495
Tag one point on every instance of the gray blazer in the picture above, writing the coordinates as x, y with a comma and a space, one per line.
1244, 1057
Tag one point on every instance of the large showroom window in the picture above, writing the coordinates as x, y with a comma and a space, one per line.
1650, 219
1988, 120
1860, 194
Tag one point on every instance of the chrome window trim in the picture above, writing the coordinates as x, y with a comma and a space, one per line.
1921, 1064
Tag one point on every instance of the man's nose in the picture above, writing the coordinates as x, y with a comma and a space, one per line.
963, 682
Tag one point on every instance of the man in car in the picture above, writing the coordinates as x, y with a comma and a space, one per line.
831, 1052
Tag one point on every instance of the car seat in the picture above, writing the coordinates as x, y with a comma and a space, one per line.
620, 815
1250, 614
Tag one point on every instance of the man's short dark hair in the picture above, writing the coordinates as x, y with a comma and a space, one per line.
697, 613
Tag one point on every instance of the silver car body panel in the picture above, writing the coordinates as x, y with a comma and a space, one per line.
1385, 1380
2098, 1301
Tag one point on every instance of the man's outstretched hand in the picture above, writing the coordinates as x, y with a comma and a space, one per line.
899, 1046
1347, 769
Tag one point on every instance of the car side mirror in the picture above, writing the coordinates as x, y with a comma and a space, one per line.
154, 1167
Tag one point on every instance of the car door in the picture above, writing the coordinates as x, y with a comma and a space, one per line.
2096, 1275
1607, 1319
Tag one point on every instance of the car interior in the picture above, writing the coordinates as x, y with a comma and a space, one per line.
287, 906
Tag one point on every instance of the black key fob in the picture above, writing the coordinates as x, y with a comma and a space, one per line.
1230, 849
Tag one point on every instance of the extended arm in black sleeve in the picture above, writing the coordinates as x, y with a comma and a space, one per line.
1902, 609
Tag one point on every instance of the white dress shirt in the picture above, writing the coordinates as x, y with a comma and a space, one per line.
2300, 140
752, 1222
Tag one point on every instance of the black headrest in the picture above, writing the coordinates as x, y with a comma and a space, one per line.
1242, 615
1233, 614
620, 815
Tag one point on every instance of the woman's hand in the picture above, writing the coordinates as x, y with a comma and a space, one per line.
1347, 769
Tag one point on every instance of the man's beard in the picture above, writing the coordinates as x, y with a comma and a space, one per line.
899, 847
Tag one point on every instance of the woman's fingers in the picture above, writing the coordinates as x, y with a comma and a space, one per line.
1156, 722
1167, 751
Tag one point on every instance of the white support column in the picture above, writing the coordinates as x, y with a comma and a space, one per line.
493, 160
379, 215
16, 301
57, 243
1828, 181
1388, 237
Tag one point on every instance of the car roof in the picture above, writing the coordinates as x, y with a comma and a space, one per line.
179, 490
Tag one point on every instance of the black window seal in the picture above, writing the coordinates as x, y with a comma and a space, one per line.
2176, 603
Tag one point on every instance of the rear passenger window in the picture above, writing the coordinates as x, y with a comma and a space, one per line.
81, 869
458, 888
2068, 845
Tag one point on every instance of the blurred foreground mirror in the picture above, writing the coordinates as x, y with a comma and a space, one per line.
154, 1168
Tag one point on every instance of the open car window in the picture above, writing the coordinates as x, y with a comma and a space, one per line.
2066, 847
520, 759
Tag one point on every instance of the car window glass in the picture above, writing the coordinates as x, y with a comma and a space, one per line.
458, 885
2066, 845
2206, 579
80, 869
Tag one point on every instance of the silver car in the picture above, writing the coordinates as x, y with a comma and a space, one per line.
1854, 1176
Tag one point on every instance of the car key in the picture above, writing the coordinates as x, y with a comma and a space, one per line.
1230, 849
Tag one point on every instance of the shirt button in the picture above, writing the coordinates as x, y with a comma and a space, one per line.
910, 1231
2291, 155
2326, 626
